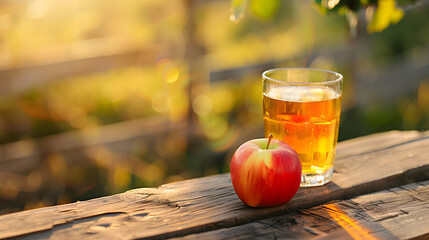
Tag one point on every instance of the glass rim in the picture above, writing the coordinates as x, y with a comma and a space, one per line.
338, 75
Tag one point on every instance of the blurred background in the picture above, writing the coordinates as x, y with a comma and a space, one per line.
98, 97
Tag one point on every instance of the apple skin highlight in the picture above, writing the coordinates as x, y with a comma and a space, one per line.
264, 177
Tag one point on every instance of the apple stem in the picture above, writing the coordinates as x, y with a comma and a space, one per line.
269, 140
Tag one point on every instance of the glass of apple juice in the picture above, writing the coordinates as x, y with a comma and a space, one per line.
302, 107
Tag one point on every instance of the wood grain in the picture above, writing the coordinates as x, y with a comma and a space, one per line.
210, 203
398, 213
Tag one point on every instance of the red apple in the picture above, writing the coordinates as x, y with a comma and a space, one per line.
265, 172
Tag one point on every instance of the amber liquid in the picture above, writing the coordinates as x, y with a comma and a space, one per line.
307, 118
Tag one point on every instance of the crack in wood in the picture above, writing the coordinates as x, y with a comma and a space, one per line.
270, 225
405, 212
68, 210
140, 214
330, 209
392, 191
311, 230
391, 215
166, 202
321, 217
417, 199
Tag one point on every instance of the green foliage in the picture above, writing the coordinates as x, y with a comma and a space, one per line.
386, 13
380, 14
264, 9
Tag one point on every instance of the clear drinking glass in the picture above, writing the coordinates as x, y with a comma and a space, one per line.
302, 107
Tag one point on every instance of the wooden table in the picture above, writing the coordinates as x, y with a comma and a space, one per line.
380, 189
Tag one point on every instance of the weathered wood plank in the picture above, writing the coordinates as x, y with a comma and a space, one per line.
374, 142
204, 204
399, 213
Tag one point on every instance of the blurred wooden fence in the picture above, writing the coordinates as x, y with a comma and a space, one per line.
386, 85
